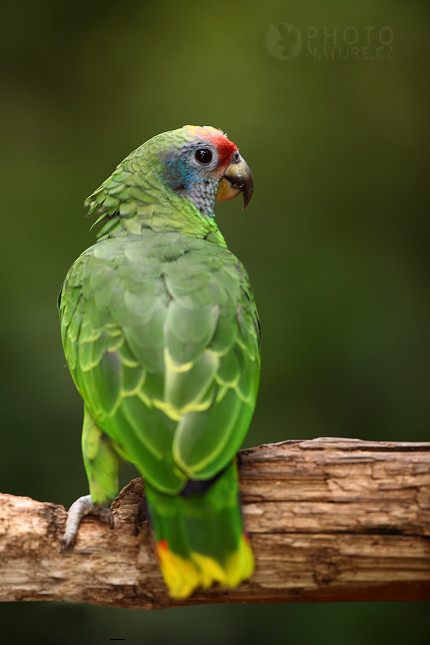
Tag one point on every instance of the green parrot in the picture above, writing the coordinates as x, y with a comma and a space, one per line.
161, 336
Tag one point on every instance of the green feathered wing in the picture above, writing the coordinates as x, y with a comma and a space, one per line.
161, 335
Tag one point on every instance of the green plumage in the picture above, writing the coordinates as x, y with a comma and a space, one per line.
161, 336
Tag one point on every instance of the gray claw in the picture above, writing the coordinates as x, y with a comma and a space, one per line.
83, 506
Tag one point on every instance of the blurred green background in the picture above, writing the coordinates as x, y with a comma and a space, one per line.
335, 241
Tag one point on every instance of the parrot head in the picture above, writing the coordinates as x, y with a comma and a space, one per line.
200, 163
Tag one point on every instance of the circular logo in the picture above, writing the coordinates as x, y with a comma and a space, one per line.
283, 41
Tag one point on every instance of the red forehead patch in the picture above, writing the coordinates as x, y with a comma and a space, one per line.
224, 146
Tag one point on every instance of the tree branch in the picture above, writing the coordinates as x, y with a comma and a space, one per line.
329, 519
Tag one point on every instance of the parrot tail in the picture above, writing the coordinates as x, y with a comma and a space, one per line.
199, 534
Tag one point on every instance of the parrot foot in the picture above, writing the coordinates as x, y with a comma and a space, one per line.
83, 506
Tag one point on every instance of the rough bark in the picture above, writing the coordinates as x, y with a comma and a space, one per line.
329, 519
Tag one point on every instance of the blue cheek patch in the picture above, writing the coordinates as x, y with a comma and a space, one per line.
178, 174
192, 182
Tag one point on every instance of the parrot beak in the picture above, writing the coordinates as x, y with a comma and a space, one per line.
237, 179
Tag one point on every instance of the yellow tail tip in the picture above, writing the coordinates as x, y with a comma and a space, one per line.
182, 576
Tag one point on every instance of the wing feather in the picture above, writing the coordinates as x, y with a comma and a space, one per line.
161, 335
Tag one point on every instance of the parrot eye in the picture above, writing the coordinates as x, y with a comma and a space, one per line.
203, 155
